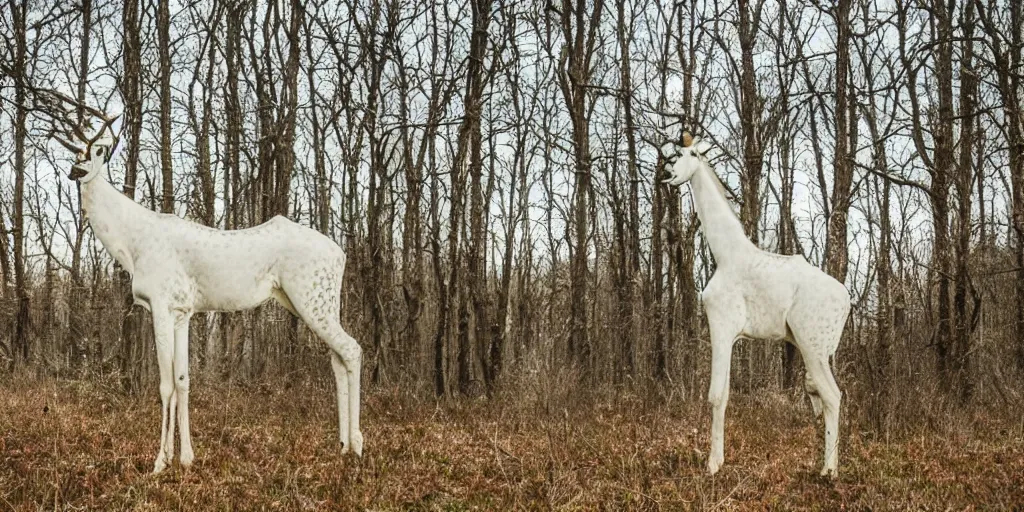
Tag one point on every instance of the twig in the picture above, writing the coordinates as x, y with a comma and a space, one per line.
733, 491
899, 181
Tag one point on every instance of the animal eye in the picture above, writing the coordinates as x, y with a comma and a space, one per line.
99, 151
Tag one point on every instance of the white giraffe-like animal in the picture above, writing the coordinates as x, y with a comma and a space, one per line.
756, 294
179, 268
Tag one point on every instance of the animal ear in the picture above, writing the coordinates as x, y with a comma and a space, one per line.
687, 139
702, 147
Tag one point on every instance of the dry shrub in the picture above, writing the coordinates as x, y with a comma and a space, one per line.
264, 445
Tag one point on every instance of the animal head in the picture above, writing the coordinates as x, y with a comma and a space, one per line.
92, 159
682, 161
96, 153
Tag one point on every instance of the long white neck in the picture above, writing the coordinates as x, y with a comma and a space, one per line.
117, 221
722, 229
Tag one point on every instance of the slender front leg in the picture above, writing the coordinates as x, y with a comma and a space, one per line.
163, 333
718, 396
181, 385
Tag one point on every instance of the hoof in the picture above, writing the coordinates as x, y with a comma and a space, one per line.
830, 473
186, 459
159, 466
714, 464
356, 442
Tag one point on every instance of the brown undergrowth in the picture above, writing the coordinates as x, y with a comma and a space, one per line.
77, 445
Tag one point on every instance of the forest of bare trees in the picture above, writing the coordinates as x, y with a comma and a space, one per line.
490, 167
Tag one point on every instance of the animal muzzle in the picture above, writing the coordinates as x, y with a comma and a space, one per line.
78, 171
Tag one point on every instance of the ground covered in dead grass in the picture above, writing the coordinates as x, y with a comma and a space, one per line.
75, 445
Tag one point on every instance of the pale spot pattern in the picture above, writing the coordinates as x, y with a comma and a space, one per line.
759, 295
179, 268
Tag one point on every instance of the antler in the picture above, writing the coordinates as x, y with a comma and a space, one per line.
64, 142
687, 139
55, 102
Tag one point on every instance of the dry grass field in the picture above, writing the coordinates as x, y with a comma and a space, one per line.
78, 446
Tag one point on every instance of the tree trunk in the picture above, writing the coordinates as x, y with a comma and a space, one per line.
5, 256
941, 171
75, 333
574, 75
1008, 66
883, 352
284, 151
750, 115
496, 352
629, 240
960, 345
836, 243
881, 381
321, 204
131, 83
444, 286
163, 25
267, 132
469, 163
204, 170
939, 163
22, 342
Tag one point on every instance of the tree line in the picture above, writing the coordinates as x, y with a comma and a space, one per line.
490, 167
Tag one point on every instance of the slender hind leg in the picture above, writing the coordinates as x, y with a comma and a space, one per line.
819, 371
817, 331
341, 388
346, 359
812, 393
348, 353
320, 310
352, 356
825, 398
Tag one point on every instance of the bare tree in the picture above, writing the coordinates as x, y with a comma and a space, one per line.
964, 315
872, 58
163, 27
201, 125
1006, 46
626, 264
836, 250
19, 70
580, 33
938, 161
288, 109
469, 161
490, 169
751, 107
76, 332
